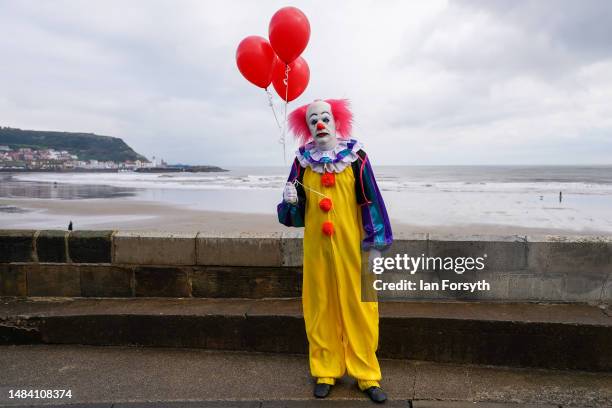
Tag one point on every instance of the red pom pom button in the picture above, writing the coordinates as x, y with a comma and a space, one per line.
328, 228
325, 204
328, 179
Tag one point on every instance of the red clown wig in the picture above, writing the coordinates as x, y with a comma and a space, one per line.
342, 116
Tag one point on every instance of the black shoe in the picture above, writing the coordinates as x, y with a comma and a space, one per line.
322, 390
376, 394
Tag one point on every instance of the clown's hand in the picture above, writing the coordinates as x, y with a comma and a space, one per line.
374, 253
290, 193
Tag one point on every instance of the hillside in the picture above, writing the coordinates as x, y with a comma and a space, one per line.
87, 146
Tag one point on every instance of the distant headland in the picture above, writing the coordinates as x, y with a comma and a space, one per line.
49, 151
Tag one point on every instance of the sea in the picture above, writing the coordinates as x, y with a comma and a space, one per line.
575, 198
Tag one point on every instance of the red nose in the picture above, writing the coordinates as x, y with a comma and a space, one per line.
320, 126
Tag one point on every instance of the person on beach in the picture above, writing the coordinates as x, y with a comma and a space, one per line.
331, 192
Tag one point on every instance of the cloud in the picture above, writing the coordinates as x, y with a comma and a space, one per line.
459, 82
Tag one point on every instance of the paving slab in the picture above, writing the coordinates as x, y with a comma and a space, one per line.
441, 381
537, 386
156, 377
468, 404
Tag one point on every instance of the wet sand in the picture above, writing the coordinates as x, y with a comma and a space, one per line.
134, 215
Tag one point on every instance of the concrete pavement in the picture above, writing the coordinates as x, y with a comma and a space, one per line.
117, 375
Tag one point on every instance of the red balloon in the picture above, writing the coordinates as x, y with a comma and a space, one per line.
289, 32
299, 76
256, 58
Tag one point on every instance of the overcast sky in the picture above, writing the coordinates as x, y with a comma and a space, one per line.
431, 82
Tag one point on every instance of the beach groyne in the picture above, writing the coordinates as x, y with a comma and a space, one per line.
558, 269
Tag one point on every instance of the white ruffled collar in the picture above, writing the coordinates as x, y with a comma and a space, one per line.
333, 161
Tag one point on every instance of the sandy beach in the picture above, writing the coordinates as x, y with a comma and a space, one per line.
445, 200
134, 215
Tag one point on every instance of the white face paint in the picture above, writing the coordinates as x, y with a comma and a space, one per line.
322, 125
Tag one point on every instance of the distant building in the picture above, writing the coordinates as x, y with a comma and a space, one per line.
60, 159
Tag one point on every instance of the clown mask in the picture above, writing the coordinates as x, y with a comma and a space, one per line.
322, 125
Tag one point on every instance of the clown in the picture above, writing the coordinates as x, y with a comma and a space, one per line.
332, 193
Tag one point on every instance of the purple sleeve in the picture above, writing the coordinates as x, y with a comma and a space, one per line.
374, 215
292, 215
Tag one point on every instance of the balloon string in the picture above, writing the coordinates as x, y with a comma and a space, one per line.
296, 181
273, 110
286, 82
283, 137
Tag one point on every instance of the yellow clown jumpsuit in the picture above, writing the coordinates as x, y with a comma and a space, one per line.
342, 330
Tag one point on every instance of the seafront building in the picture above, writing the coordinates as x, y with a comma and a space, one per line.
26, 158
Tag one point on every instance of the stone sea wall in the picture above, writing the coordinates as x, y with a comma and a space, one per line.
558, 269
